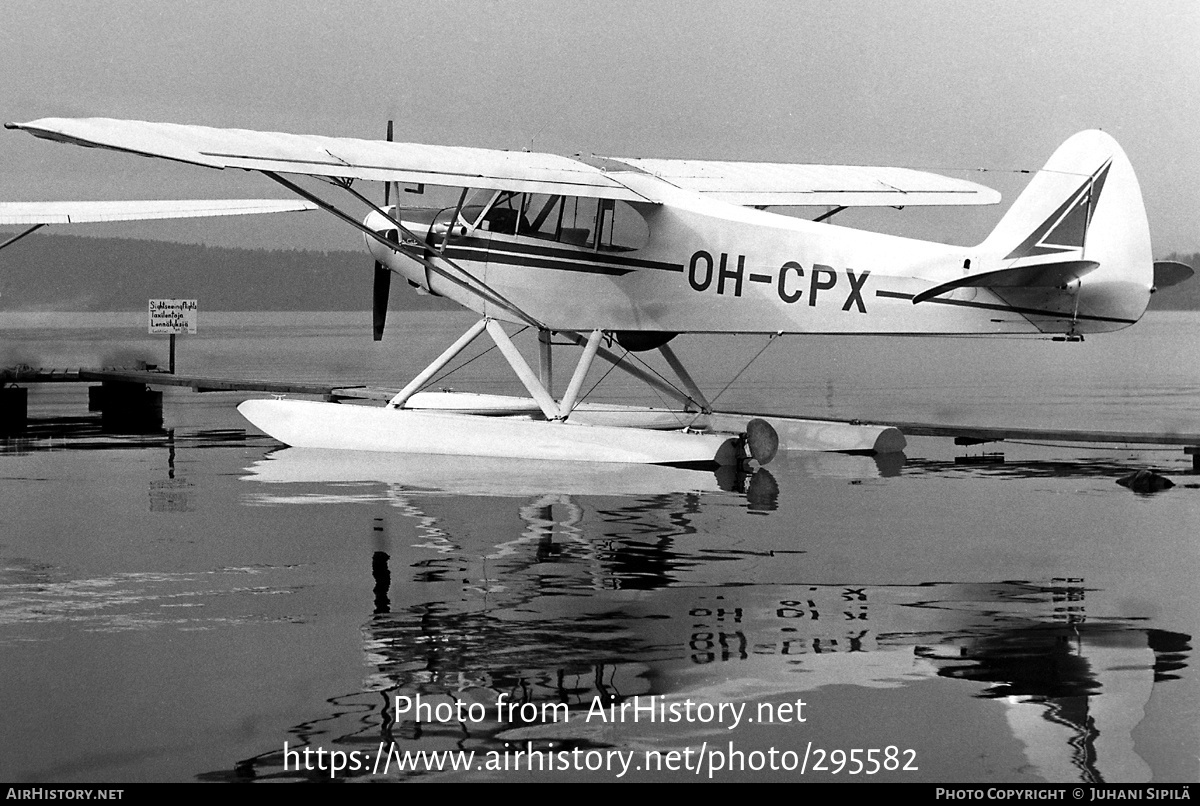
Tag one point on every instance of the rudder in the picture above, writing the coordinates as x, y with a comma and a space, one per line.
1080, 227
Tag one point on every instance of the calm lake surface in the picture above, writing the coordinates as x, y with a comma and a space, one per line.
184, 605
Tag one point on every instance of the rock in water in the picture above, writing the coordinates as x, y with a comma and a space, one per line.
1146, 481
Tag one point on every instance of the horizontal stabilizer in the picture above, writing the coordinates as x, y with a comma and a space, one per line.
1168, 273
1043, 275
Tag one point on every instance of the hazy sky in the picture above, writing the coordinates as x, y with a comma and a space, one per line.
935, 85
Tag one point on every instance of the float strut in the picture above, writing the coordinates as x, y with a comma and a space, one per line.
513, 356
545, 364
581, 370
683, 375
442, 360
641, 375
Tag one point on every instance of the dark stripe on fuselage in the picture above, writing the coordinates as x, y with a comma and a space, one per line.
550, 257
572, 254
990, 306
493, 256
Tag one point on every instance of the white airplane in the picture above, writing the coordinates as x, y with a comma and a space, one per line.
641, 250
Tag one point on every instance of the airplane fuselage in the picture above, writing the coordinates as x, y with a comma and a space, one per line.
711, 266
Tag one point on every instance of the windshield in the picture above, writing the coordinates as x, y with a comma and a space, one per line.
599, 224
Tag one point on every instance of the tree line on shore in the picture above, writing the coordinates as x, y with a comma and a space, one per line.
76, 273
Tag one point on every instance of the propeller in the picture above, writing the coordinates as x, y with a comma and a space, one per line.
382, 285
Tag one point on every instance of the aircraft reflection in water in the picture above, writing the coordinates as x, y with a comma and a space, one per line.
557, 598
1059, 682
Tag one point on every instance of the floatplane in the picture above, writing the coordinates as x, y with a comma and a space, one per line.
610, 253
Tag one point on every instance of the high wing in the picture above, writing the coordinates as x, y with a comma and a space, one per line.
316, 155
85, 212
743, 183
775, 184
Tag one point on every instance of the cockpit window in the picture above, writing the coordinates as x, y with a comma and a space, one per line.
604, 224
478, 203
599, 224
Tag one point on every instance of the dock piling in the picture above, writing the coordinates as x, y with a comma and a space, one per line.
14, 405
126, 406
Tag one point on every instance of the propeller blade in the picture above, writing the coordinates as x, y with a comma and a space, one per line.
383, 276
387, 186
382, 287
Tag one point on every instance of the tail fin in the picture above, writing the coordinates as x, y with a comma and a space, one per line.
1073, 252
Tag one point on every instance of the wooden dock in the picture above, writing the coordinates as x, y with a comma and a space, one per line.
127, 398
971, 435
155, 377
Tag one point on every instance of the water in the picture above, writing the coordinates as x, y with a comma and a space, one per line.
183, 604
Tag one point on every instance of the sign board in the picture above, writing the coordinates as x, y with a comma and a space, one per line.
173, 316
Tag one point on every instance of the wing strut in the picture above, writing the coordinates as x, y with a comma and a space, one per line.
462, 199
21, 235
483, 291
830, 214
